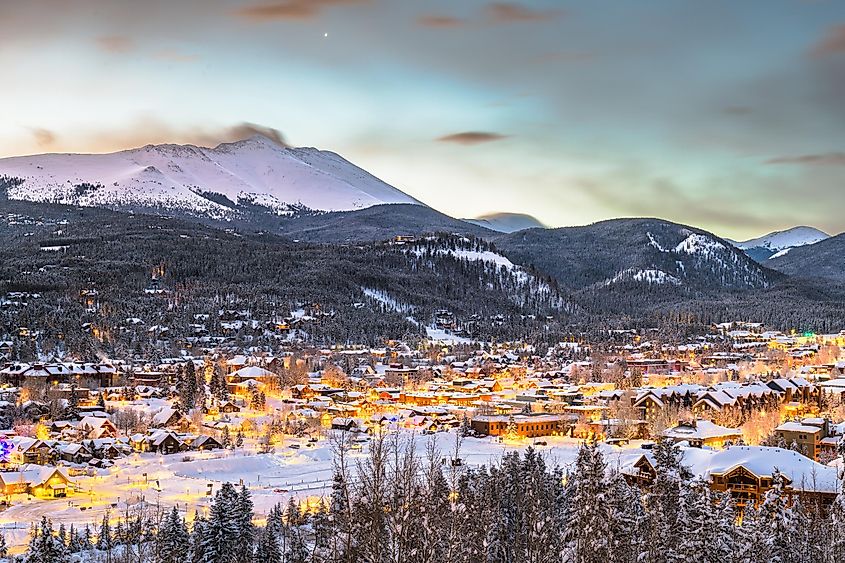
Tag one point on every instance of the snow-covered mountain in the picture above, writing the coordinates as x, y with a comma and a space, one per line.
215, 182
506, 222
779, 243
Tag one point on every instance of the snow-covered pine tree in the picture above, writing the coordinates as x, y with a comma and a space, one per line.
837, 529
267, 549
724, 538
173, 540
74, 543
105, 539
663, 504
244, 515
777, 521
198, 553
45, 547
296, 550
220, 534
626, 520
588, 529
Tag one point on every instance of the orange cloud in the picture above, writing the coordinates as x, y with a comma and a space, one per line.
511, 12
44, 138
472, 137
833, 42
115, 43
292, 9
440, 21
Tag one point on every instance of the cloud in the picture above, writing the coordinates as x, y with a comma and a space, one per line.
821, 159
440, 21
292, 9
832, 42
246, 130
472, 137
115, 43
44, 138
511, 12
147, 130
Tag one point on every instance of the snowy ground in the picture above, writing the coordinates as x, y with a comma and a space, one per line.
184, 479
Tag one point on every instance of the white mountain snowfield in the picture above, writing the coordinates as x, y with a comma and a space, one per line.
252, 171
782, 240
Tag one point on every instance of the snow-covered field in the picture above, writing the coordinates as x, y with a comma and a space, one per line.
183, 480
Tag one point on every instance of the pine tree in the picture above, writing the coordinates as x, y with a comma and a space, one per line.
239, 439
588, 531
105, 540
837, 520
74, 544
226, 440
268, 549
244, 515
198, 553
173, 540
777, 520
220, 534
626, 521
663, 502
4, 549
44, 547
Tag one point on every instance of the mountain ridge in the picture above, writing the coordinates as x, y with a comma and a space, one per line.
778, 243
254, 172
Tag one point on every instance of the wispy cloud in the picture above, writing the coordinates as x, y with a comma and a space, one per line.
292, 9
44, 138
440, 21
115, 43
832, 42
511, 12
821, 159
472, 137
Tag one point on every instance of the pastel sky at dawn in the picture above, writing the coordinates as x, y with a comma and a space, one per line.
722, 114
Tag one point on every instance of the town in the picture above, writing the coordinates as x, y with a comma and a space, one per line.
87, 438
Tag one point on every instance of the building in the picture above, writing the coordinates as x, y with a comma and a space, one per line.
525, 426
42, 482
807, 434
703, 433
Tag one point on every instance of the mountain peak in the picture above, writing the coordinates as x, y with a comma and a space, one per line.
193, 179
778, 243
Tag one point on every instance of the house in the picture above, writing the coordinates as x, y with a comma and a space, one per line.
31, 451
43, 482
807, 436
94, 427
170, 418
703, 433
163, 442
75, 453
348, 424
202, 443
747, 473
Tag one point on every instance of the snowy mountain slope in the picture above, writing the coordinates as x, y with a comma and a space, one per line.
789, 238
636, 253
780, 242
506, 222
212, 182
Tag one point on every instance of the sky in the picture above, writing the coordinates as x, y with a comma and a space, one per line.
725, 115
